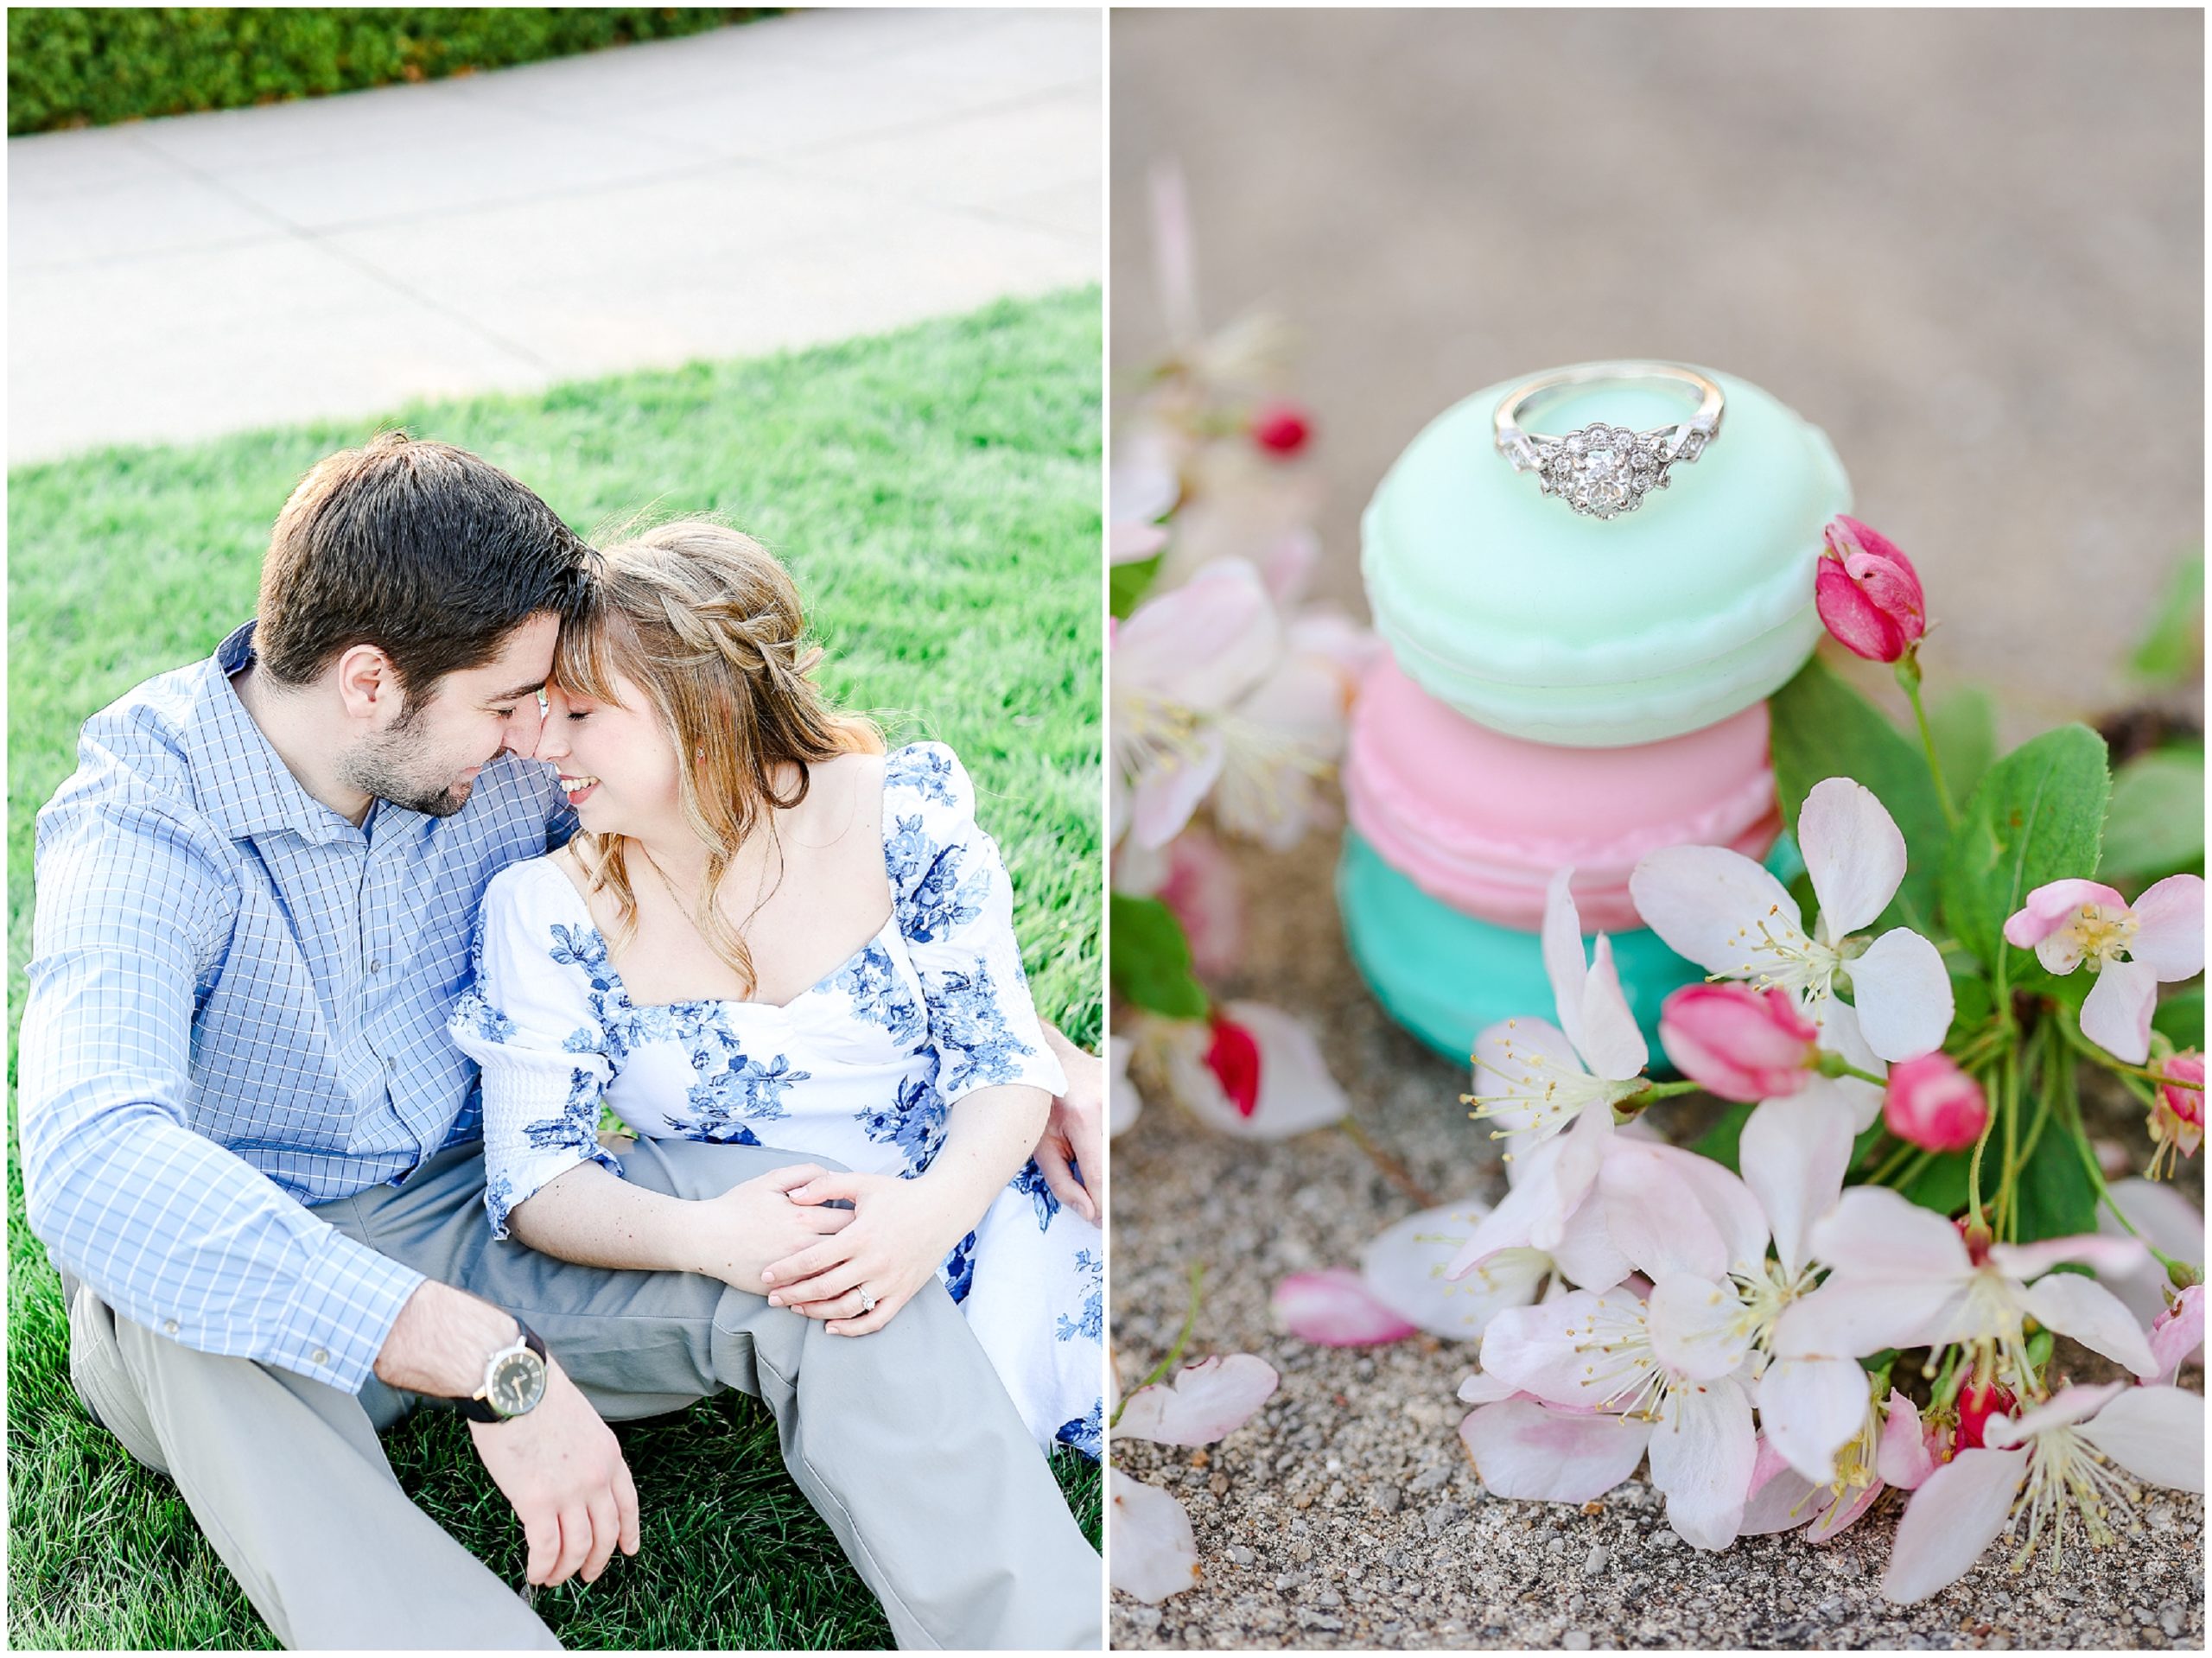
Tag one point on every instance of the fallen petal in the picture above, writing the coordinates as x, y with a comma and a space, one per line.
1335, 1308
1208, 1400
1148, 1540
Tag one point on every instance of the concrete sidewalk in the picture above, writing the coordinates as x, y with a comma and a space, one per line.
787, 181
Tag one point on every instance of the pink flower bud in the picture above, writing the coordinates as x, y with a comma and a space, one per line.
1739, 1043
1932, 1104
1867, 592
1233, 1057
1977, 1404
2177, 1117
1280, 427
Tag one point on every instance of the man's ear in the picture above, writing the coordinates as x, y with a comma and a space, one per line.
368, 685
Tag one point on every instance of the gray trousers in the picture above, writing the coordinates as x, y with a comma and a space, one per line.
904, 1440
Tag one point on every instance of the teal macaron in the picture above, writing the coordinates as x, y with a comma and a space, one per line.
1446, 976
1537, 622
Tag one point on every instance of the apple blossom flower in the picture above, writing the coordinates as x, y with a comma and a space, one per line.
1739, 1043
2177, 1332
2177, 1114
1150, 1544
1734, 919
2074, 1452
1889, 1448
2132, 948
1903, 1276
1523, 1447
1610, 1352
1537, 1079
2166, 1220
1931, 1103
1249, 1069
1867, 592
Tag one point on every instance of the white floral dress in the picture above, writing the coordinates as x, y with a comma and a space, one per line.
862, 1069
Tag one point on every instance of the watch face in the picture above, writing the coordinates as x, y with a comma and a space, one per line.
517, 1382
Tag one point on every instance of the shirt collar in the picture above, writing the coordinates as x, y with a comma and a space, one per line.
244, 785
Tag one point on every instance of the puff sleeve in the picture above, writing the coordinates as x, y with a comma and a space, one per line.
955, 909
533, 1019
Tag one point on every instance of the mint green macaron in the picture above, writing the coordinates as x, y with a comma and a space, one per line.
1541, 623
1446, 976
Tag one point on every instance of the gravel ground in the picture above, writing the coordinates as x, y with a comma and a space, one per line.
1347, 1515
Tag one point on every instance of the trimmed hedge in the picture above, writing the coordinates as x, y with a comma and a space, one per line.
89, 65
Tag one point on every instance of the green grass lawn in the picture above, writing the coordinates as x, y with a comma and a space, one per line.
936, 494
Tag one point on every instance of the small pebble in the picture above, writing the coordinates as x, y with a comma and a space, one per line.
1594, 1562
1241, 1554
1575, 1641
1388, 1498
2161, 1517
1664, 1538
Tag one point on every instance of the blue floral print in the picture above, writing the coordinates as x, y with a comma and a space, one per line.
880, 995
1084, 1434
959, 1269
924, 769
968, 1019
914, 1122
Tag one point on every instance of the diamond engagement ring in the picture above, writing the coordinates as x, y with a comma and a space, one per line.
1603, 470
868, 1303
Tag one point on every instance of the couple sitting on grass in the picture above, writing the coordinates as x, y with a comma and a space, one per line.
299, 899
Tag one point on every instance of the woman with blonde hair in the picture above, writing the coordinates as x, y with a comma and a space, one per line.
767, 930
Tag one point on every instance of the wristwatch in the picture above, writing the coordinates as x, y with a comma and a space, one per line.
514, 1380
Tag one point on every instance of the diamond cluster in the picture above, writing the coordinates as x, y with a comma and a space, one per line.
1603, 471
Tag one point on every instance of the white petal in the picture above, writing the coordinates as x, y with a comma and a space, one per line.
1695, 1327
2117, 1015
1781, 1500
1874, 1233
2065, 1408
1208, 1400
1564, 963
1297, 1093
2110, 1257
1793, 1154
1511, 1058
1611, 1042
1481, 1387
1851, 1317
1403, 1268
1701, 1455
1203, 644
2093, 1316
1522, 1449
1653, 1220
1901, 1456
1727, 1201
2169, 1221
1549, 1350
1811, 1408
1902, 995
2179, 1331
1586, 1253
1853, 851
2170, 939
1701, 900
1950, 1521
2156, 1434
1839, 1033
1573, 1175
1169, 789
1148, 1540
1335, 1308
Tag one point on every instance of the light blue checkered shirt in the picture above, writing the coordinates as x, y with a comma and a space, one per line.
237, 1007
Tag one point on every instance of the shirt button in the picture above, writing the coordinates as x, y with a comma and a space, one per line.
321, 1356
376, 966
169, 1328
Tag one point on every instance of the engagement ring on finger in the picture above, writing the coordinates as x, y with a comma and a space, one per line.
1602, 470
868, 1303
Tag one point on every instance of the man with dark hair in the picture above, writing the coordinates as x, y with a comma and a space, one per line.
254, 1154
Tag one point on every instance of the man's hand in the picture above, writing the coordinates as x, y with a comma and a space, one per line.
1074, 1133
559, 1465
561, 1468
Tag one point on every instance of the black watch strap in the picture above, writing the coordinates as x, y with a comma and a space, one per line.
478, 1408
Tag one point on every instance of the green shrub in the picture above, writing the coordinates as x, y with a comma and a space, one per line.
88, 66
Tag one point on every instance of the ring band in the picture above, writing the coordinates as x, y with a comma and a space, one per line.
1602, 470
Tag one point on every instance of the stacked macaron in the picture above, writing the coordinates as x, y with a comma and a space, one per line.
1561, 690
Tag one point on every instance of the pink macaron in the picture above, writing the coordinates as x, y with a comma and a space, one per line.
1479, 820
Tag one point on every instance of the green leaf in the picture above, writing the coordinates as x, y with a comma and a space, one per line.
2180, 1018
1151, 959
1964, 724
1126, 584
1823, 728
2037, 816
1723, 1142
2057, 1198
2174, 644
1972, 999
2156, 823
1941, 1185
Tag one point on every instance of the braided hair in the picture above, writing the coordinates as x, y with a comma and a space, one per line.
706, 623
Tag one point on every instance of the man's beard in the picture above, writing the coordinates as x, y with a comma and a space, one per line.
379, 768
